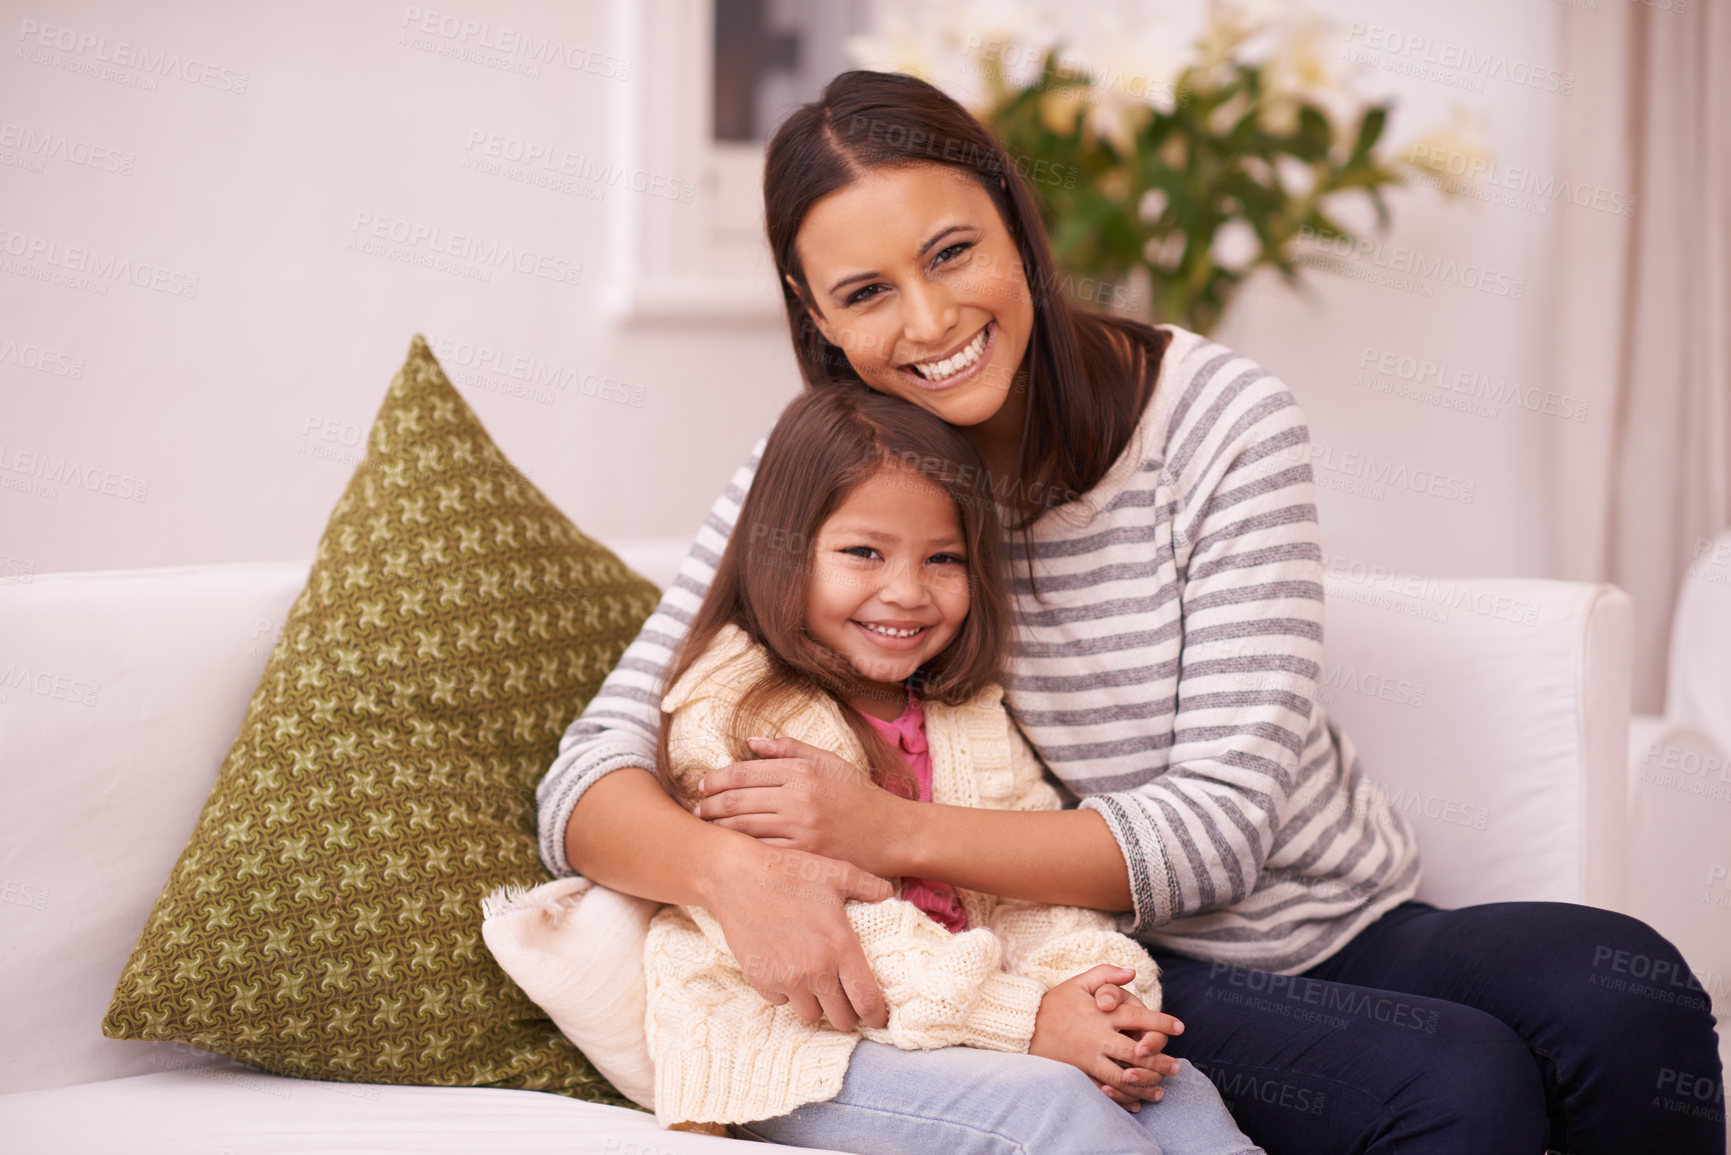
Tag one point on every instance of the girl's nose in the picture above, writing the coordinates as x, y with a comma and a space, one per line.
903, 588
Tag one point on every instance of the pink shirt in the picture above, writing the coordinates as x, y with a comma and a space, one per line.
908, 734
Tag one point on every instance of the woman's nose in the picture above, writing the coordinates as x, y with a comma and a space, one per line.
929, 314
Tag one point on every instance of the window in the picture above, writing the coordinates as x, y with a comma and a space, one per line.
711, 79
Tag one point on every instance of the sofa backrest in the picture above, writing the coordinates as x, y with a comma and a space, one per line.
1493, 713
120, 694
121, 691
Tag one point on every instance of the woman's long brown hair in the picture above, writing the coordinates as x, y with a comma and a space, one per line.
1089, 375
827, 444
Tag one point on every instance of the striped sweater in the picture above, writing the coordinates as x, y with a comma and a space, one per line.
1167, 676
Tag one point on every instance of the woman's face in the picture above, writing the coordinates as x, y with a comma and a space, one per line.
915, 276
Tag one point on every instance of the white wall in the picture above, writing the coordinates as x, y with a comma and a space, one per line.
256, 194
209, 398
1473, 500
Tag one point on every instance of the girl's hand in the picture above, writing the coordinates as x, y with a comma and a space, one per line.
782, 914
798, 797
1109, 996
1106, 1045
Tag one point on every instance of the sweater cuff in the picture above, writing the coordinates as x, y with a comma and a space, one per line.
1003, 1017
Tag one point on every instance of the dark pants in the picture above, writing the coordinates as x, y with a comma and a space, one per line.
1512, 1027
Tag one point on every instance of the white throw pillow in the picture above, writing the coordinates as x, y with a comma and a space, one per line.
577, 950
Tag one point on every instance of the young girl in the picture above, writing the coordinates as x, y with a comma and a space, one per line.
859, 607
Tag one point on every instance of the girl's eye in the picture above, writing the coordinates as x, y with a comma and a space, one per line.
864, 551
948, 559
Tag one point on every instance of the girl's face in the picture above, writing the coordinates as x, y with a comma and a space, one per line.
915, 276
889, 583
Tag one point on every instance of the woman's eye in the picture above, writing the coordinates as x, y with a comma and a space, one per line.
950, 251
858, 296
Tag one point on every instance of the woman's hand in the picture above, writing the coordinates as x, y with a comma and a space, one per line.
782, 914
798, 797
1111, 1045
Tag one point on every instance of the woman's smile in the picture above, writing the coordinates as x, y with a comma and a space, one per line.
963, 365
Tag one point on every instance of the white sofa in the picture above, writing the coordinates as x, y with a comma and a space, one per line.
1501, 728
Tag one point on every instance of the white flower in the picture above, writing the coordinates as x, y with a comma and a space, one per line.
1300, 68
1233, 28
960, 46
1128, 67
1235, 245
1457, 152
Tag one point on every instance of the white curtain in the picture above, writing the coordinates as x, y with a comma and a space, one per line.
1642, 327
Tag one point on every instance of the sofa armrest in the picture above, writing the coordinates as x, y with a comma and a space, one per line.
1494, 713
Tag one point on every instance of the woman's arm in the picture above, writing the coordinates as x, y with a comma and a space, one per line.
617, 729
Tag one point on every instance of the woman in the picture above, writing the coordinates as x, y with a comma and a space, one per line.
1170, 605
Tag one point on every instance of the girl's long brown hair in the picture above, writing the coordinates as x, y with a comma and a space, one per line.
1089, 375
826, 445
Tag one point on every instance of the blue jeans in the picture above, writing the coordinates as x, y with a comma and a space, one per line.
1512, 1027
962, 1101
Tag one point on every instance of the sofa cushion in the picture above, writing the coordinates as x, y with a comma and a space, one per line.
233, 1109
324, 918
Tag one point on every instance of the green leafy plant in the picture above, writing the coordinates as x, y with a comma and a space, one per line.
1180, 181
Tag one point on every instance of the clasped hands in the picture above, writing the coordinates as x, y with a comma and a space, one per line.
798, 797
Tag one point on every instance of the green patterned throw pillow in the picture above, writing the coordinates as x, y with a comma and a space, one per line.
324, 920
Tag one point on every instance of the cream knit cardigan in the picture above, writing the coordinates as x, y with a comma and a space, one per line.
722, 1054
